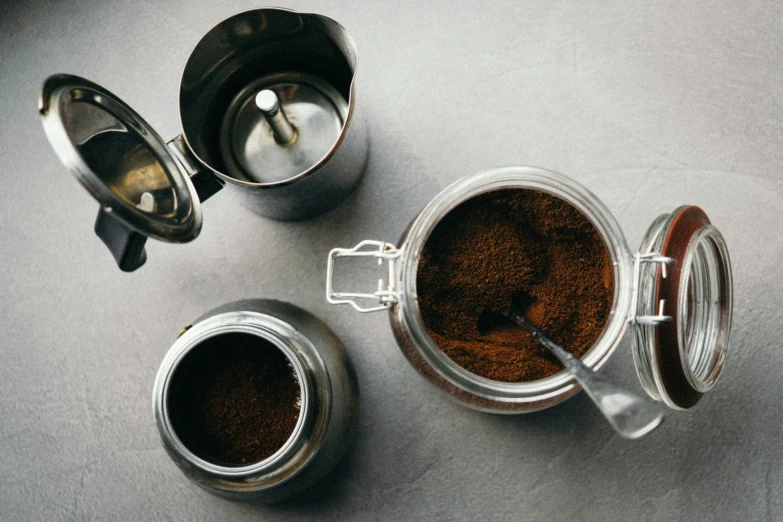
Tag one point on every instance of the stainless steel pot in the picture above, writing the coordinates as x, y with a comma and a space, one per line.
328, 390
268, 107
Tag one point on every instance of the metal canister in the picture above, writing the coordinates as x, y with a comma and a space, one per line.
267, 104
329, 399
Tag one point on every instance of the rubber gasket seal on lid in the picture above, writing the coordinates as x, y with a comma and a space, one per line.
671, 367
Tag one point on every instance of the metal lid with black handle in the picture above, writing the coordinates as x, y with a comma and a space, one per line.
145, 186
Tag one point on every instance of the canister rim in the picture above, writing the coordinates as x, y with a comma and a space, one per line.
269, 329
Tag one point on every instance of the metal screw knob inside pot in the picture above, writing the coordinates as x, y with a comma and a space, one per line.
280, 126
269, 105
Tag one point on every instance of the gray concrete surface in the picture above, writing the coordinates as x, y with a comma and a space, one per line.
649, 104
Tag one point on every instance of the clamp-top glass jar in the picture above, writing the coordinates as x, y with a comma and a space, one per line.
268, 107
676, 293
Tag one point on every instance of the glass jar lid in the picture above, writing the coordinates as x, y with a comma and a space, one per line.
119, 159
684, 307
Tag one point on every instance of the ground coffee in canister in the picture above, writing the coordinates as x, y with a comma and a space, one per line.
495, 247
234, 400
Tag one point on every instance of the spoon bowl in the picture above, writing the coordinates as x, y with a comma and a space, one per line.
631, 416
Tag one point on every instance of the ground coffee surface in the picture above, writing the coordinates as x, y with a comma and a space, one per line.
234, 400
498, 246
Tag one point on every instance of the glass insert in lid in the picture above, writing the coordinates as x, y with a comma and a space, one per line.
705, 308
119, 159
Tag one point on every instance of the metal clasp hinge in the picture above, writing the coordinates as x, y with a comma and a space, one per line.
650, 257
387, 296
204, 182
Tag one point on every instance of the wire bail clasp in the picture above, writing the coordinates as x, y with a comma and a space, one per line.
649, 257
386, 295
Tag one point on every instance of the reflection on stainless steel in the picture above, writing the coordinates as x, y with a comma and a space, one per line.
330, 401
118, 158
248, 144
247, 49
269, 105
311, 165
130, 170
85, 120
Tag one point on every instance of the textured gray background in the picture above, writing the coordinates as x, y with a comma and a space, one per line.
649, 104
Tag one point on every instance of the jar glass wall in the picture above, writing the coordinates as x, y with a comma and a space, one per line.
435, 365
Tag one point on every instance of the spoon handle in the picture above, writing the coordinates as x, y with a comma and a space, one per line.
630, 415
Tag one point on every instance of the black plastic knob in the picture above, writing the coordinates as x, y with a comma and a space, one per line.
125, 244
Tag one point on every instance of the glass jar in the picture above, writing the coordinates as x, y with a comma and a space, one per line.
328, 410
675, 293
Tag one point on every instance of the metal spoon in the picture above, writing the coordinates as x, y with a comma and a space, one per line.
631, 416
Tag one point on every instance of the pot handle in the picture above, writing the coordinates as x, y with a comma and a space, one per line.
387, 296
124, 243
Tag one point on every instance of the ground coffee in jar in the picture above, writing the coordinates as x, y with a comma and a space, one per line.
495, 247
234, 400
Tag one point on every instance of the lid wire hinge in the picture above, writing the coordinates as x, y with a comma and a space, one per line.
649, 257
